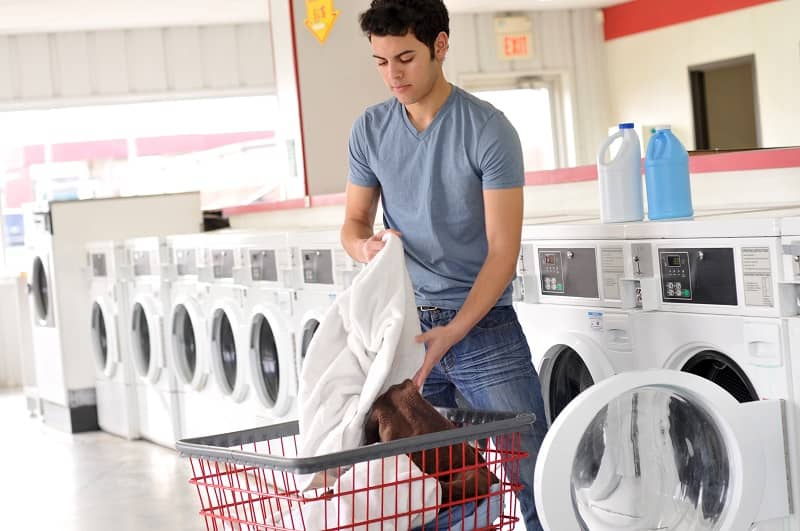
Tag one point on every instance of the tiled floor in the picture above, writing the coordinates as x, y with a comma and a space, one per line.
89, 482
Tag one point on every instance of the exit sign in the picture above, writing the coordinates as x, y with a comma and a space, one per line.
516, 46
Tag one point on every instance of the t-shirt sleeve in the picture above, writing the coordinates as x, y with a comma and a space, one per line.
360, 172
500, 154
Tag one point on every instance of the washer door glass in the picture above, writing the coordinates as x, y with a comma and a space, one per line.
41, 296
225, 349
651, 459
183, 341
266, 355
309, 329
569, 377
141, 340
99, 336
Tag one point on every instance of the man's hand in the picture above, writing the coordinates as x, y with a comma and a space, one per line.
372, 245
437, 342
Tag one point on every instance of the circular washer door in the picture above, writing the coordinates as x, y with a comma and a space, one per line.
41, 290
184, 344
264, 350
100, 339
651, 450
309, 329
223, 351
140, 341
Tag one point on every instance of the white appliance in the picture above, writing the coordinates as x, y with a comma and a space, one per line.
117, 411
188, 337
267, 267
228, 336
325, 270
568, 298
663, 449
714, 306
146, 313
65, 370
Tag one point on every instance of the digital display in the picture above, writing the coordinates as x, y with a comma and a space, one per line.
673, 260
550, 259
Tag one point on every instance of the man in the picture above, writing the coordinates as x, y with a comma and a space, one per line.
448, 170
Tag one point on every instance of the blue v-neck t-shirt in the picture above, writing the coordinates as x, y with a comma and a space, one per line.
432, 184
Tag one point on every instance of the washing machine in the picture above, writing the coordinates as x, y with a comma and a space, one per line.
568, 296
117, 411
65, 369
325, 270
664, 449
227, 318
267, 268
714, 305
158, 398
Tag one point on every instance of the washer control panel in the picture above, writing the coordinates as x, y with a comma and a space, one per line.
698, 276
186, 261
142, 265
317, 266
569, 272
98, 263
263, 265
222, 260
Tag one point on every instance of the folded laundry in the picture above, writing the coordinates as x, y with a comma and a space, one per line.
402, 412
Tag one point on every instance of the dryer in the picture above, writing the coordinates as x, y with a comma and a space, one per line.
713, 305
158, 397
65, 370
267, 268
569, 301
325, 270
117, 411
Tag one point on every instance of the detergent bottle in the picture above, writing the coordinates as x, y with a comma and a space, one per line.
620, 177
669, 193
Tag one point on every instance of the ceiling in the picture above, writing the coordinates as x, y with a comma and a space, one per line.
29, 16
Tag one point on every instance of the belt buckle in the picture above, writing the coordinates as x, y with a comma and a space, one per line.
427, 308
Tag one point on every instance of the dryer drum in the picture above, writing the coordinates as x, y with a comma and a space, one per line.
99, 336
266, 355
723, 371
184, 343
141, 340
40, 290
569, 378
225, 349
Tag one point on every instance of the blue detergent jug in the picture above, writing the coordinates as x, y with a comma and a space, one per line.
666, 169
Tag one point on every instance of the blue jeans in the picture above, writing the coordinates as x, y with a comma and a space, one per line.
493, 370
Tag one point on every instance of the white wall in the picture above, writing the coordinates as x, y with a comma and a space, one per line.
59, 69
569, 43
649, 79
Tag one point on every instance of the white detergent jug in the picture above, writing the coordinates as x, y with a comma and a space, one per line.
620, 178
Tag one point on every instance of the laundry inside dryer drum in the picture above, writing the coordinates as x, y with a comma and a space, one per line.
651, 459
40, 290
568, 378
262, 343
309, 330
99, 336
141, 340
225, 349
183, 341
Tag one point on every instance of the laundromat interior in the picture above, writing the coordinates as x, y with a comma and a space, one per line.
190, 340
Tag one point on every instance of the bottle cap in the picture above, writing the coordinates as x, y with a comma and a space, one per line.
626, 125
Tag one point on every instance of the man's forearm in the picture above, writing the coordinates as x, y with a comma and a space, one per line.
497, 271
353, 233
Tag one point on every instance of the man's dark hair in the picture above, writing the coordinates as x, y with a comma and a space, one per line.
424, 18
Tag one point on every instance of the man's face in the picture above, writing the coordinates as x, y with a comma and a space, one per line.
406, 66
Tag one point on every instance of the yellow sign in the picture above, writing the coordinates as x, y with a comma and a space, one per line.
320, 16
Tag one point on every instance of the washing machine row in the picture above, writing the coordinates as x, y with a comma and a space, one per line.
708, 298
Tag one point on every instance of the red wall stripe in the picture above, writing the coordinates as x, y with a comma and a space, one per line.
166, 145
643, 15
96, 150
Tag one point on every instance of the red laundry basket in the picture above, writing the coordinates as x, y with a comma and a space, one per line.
247, 480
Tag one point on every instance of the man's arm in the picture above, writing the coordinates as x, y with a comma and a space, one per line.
504, 208
359, 218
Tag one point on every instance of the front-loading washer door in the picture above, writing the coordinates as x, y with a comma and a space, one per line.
568, 377
40, 290
265, 355
659, 449
184, 344
146, 340
103, 339
225, 354
309, 329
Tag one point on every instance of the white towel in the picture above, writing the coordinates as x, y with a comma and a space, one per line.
364, 344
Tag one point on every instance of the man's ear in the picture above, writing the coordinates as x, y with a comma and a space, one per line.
441, 45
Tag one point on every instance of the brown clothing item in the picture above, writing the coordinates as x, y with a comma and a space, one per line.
402, 412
